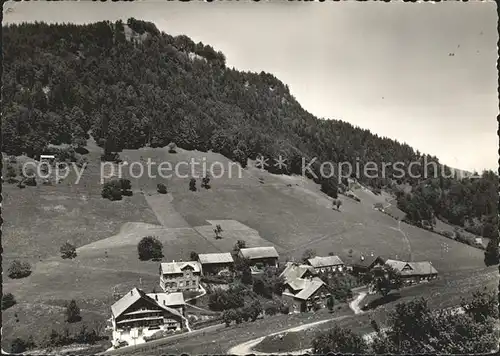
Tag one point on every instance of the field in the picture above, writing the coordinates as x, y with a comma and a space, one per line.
289, 213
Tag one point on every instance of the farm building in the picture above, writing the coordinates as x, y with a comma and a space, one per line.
303, 294
180, 276
360, 264
216, 263
136, 315
413, 272
172, 300
260, 257
294, 271
328, 264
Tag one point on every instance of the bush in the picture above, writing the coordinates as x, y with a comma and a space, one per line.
73, 312
68, 251
222, 300
8, 301
18, 269
205, 182
112, 190
172, 147
150, 248
19, 345
161, 188
192, 185
284, 309
30, 181
271, 310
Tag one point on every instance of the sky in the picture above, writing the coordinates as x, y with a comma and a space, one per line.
421, 73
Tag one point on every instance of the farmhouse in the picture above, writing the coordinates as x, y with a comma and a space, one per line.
136, 315
172, 300
180, 276
304, 294
260, 257
413, 272
294, 271
216, 263
329, 264
360, 264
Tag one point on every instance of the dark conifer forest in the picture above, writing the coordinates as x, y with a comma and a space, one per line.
130, 85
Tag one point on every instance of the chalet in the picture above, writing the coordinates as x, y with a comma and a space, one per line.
413, 272
294, 271
136, 315
303, 294
180, 276
216, 263
328, 264
303, 288
172, 300
360, 264
260, 257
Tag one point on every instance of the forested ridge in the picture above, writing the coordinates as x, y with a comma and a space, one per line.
131, 85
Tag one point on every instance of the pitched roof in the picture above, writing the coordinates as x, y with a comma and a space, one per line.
259, 252
318, 261
306, 287
362, 260
208, 258
421, 268
168, 299
416, 268
133, 296
294, 271
177, 267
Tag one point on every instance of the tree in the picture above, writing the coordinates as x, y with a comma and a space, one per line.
192, 185
161, 188
330, 303
413, 328
18, 269
309, 253
8, 301
239, 245
228, 316
72, 312
205, 182
150, 248
491, 254
112, 190
384, 279
226, 299
193, 256
68, 251
481, 305
338, 340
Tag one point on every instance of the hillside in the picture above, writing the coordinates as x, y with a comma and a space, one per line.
130, 89
132, 86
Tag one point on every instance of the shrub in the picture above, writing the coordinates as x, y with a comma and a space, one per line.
11, 173
172, 147
30, 181
271, 310
68, 251
150, 248
112, 190
18, 269
8, 301
19, 345
205, 182
161, 188
192, 185
72, 312
284, 309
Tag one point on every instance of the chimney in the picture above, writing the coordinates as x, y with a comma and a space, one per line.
132, 292
371, 254
164, 302
156, 297
173, 260
362, 258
